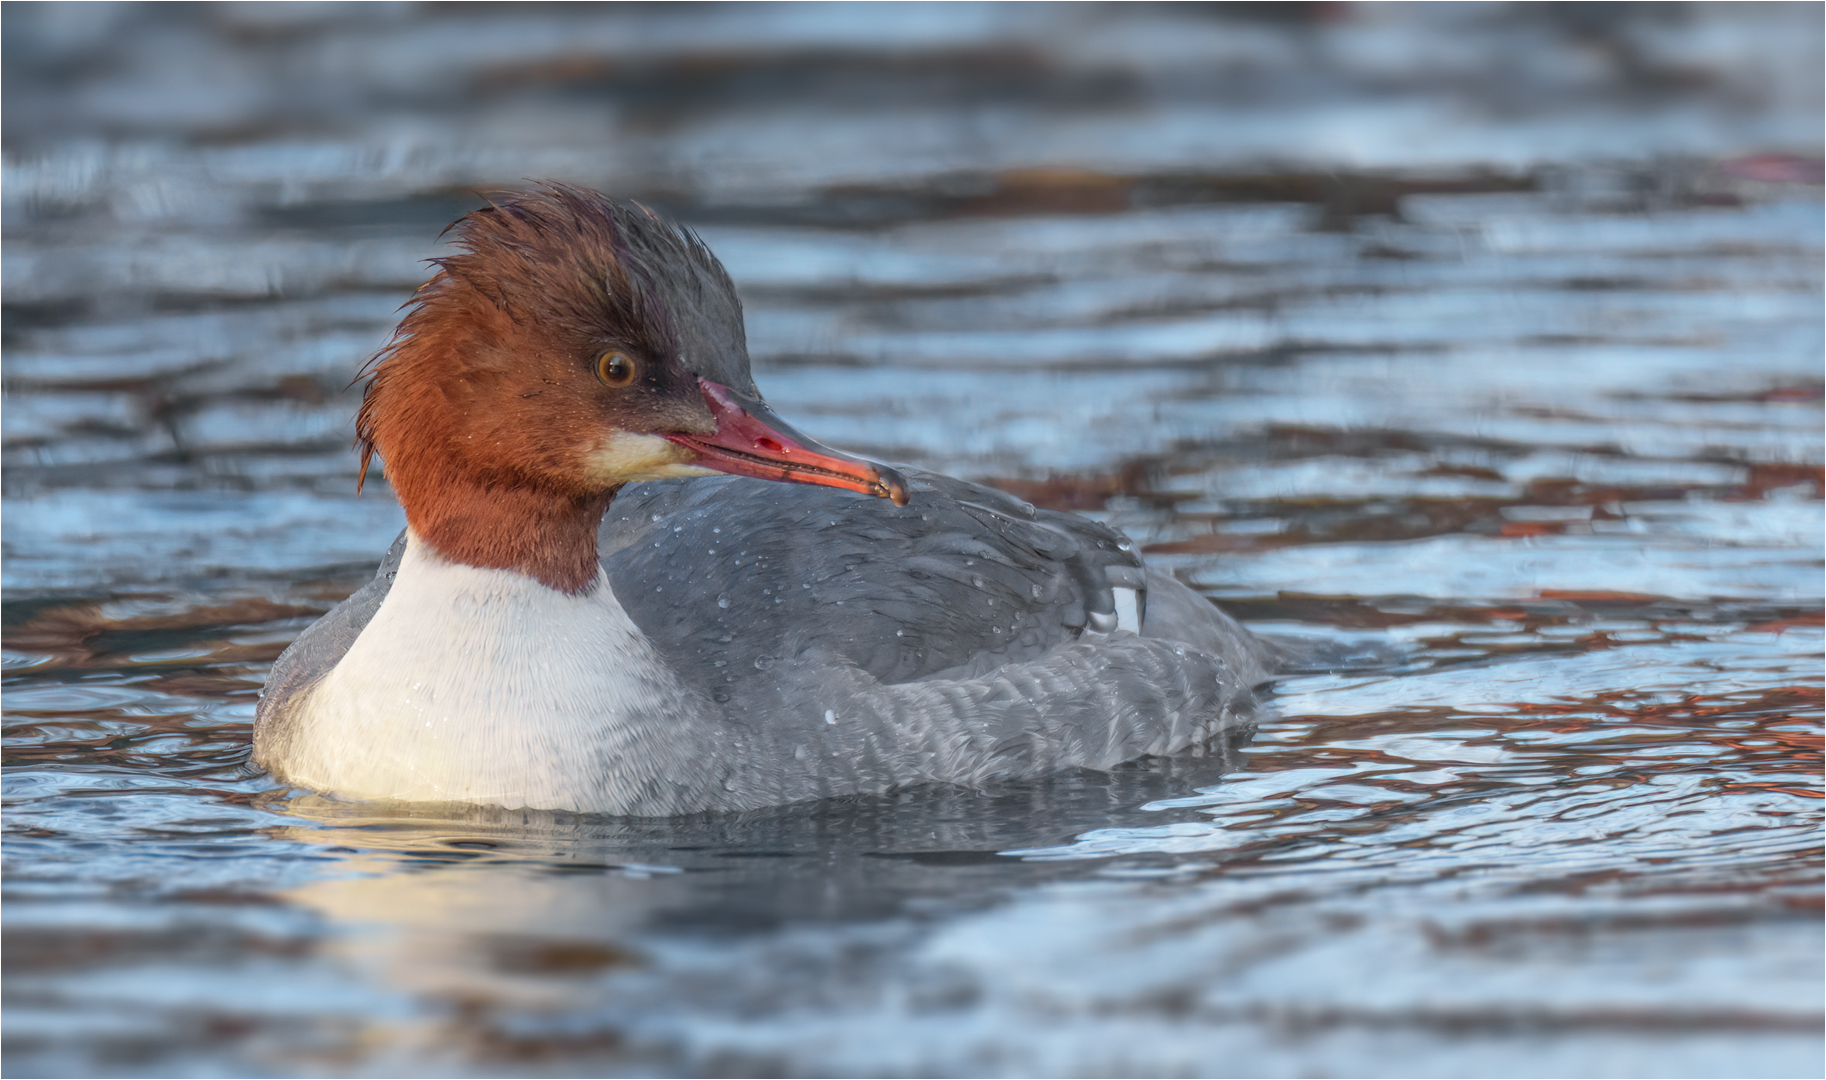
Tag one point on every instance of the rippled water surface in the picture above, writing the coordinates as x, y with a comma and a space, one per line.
1491, 371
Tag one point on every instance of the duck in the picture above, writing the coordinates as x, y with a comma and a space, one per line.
627, 587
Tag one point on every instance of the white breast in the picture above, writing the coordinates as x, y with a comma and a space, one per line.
486, 686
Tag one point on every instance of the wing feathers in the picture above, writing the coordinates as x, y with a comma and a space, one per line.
1091, 706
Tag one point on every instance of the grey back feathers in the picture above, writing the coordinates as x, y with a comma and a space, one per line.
953, 639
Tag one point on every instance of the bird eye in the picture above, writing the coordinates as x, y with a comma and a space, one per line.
616, 369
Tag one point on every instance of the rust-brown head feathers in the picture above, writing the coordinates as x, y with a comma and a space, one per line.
491, 392
577, 263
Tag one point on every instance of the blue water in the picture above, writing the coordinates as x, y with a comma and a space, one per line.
1480, 344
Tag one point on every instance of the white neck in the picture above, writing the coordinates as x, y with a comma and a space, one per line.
486, 686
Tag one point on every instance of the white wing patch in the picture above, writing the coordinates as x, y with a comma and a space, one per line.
1128, 610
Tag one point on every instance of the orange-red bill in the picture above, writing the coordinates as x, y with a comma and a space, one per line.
751, 441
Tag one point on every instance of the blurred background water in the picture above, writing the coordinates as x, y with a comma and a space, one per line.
1482, 342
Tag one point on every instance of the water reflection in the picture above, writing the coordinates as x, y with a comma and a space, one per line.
1477, 355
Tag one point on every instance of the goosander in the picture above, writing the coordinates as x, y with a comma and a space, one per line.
583, 615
